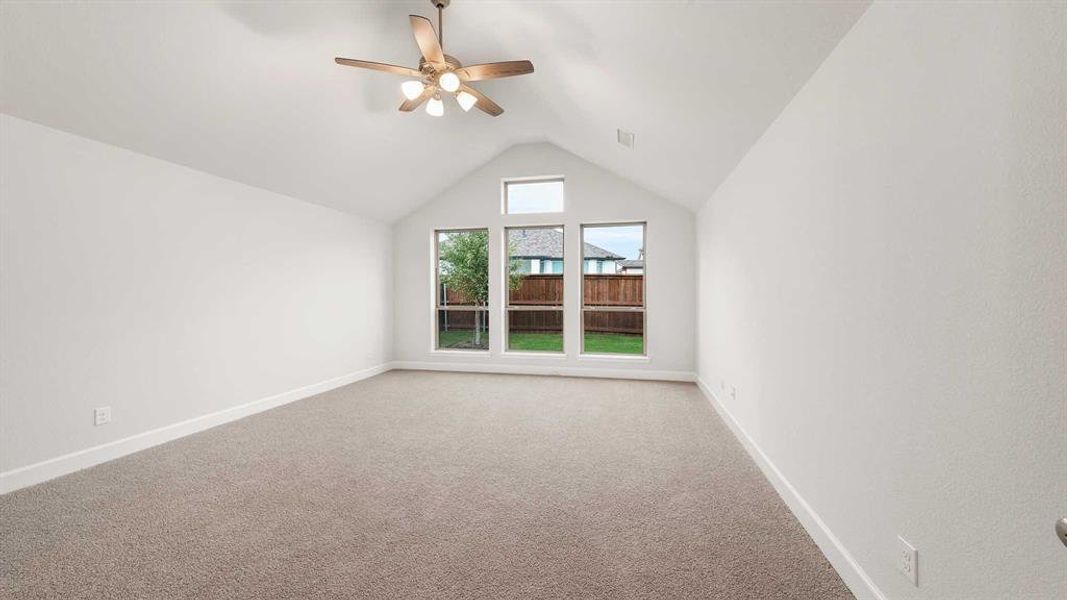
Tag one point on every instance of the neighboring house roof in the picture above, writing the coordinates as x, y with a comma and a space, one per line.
548, 243
632, 264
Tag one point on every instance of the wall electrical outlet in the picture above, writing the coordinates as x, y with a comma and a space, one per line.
733, 392
908, 560
102, 415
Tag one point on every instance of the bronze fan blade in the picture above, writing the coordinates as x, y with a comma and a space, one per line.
484, 103
426, 38
496, 70
427, 93
366, 64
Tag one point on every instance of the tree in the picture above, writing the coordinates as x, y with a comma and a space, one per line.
465, 270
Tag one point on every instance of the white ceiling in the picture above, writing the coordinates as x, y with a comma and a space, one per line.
249, 91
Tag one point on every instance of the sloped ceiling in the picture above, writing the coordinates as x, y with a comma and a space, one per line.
249, 91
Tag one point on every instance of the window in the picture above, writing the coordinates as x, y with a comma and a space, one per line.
534, 283
525, 196
613, 298
462, 289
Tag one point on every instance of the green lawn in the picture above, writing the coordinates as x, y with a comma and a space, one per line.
595, 343
535, 342
461, 339
613, 343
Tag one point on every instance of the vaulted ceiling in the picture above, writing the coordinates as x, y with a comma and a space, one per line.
250, 92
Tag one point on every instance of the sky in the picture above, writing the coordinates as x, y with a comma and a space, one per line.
535, 197
625, 240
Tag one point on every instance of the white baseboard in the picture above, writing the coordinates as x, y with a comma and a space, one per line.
857, 580
558, 370
75, 461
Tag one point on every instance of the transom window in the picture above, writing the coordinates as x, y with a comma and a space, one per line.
527, 196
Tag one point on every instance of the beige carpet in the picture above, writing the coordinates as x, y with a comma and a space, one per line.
426, 485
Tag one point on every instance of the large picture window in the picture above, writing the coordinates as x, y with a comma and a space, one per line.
462, 274
534, 283
613, 289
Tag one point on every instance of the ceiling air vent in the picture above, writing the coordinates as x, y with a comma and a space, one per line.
625, 138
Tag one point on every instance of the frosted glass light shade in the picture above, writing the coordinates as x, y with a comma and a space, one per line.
449, 81
435, 107
466, 101
412, 89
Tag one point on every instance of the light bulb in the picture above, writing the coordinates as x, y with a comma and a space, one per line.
466, 101
412, 89
435, 107
449, 81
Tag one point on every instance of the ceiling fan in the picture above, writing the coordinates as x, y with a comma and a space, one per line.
439, 72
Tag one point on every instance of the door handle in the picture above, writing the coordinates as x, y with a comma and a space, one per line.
1061, 530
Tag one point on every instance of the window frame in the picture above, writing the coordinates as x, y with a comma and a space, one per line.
643, 309
508, 308
438, 307
505, 182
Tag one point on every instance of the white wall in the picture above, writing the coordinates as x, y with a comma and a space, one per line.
591, 195
883, 280
166, 293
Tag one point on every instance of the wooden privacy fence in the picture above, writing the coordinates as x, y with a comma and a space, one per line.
452, 320
548, 321
607, 290
613, 290
547, 290
543, 290
614, 322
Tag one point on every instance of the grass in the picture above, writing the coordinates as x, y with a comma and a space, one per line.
462, 339
535, 342
595, 343
613, 343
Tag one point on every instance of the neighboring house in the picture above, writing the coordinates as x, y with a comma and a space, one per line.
632, 267
540, 251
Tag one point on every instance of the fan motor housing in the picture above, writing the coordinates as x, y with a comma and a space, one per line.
450, 60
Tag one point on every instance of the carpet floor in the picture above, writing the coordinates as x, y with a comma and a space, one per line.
426, 485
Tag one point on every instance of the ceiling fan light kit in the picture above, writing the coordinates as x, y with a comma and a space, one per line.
448, 81
466, 101
439, 73
435, 107
412, 89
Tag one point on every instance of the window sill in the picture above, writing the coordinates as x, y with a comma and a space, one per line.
460, 352
544, 355
614, 357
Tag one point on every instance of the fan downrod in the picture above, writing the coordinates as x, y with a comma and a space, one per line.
440, 5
